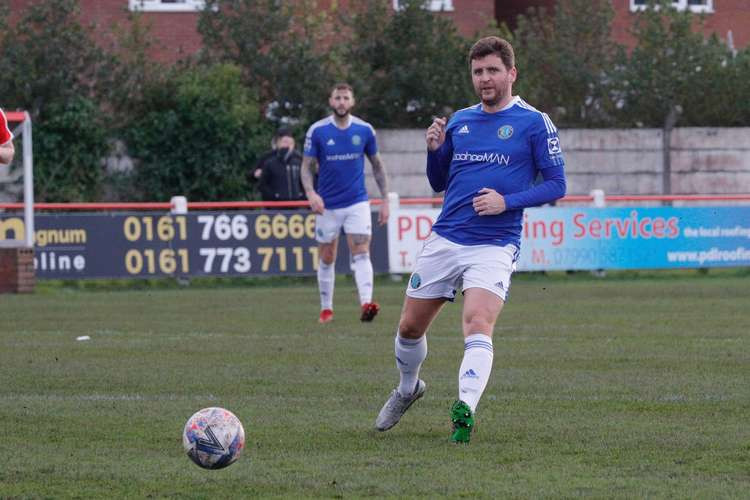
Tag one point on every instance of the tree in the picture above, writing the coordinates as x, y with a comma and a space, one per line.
69, 149
48, 56
734, 91
51, 67
198, 136
288, 51
131, 70
670, 74
721, 82
407, 66
671, 65
564, 60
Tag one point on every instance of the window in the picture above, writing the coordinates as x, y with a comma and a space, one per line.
433, 5
704, 6
167, 5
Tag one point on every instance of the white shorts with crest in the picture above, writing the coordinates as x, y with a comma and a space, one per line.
355, 219
443, 266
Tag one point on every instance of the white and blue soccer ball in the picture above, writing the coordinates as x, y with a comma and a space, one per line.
213, 438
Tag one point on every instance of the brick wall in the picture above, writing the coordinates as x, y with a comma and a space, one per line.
728, 15
16, 270
175, 33
471, 16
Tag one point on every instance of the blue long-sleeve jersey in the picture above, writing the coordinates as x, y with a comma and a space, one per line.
504, 151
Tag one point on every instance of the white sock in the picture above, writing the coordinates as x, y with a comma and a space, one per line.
326, 281
475, 368
362, 269
409, 356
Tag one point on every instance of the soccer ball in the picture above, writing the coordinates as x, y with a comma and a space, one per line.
213, 438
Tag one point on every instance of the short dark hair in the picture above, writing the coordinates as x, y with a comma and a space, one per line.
342, 86
283, 132
493, 45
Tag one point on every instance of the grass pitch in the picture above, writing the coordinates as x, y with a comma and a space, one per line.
620, 387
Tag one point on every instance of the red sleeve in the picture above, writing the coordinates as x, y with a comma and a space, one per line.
5, 134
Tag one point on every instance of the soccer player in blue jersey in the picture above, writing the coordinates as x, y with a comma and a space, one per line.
337, 146
486, 158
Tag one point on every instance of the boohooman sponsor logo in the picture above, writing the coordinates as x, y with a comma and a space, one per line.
498, 158
343, 157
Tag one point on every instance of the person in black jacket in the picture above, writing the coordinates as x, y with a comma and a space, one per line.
278, 170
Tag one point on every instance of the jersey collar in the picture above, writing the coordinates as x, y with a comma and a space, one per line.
348, 122
513, 101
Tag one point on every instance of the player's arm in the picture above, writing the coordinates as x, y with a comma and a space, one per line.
438, 163
439, 152
490, 202
381, 179
548, 160
7, 151
306, 177
552, 187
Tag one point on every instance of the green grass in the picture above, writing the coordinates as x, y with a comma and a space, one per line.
612, 388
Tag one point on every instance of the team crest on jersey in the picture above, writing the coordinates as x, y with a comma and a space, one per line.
505, 132
356, 140
553, 145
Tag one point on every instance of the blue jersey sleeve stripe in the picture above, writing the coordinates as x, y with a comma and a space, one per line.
551, 129
360, 121
319, 123
526, 105
473, 107
309, 149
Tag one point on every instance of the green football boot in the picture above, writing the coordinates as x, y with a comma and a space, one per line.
463, 422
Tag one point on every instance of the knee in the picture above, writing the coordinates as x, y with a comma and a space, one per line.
478, 324
327, 256
359, 244
409, 330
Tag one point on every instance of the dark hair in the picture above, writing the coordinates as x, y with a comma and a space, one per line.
342, 86
283, 132
493, 45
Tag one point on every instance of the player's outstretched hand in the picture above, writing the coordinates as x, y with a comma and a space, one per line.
436, 134
316, 202
489, 202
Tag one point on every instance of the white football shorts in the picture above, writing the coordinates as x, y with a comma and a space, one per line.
443, 266
355, 219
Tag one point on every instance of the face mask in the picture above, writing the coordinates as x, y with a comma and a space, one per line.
282, 153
